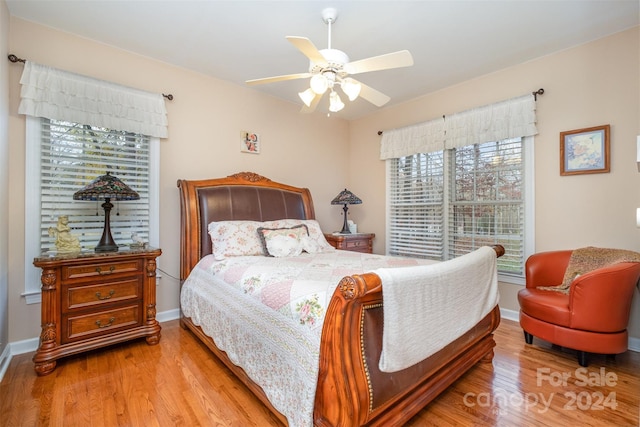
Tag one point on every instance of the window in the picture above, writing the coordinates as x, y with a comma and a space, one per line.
63, 157
447, 203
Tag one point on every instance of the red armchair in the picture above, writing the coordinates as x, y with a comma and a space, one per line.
592, 318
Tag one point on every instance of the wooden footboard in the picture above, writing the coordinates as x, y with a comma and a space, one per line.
352, 391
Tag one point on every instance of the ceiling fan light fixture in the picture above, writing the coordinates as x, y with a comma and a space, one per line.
335, 103
351, 88
319, 84
330, 67
307, 96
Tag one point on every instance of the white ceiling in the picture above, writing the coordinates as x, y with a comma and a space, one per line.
451, 41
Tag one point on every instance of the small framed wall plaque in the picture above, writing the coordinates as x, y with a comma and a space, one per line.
250, 143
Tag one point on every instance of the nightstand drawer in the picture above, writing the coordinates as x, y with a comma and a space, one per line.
82, 327
352, 245
78, 297
73, 272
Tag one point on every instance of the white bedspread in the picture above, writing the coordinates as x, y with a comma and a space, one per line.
459, 293
274, 335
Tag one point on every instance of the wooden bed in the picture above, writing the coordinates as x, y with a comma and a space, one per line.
351, 389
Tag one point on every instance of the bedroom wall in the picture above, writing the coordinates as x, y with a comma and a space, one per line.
589, 85
4, 184
205, 121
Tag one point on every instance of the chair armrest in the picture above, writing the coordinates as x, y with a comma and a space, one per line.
546, 268
600, 300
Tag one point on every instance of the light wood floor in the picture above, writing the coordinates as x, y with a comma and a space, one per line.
178, 382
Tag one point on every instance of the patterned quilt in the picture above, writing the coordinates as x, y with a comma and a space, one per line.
267, 315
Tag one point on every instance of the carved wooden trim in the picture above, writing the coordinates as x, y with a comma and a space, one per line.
151, 268
151, 312
348, 287
48, 336
48, 279
362, 352
249, 176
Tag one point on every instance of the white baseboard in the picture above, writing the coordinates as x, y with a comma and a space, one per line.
165, 316
514, 315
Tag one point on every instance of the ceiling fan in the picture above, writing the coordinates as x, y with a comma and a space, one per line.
330, 68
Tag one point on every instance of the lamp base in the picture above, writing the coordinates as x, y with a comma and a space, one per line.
345, 226
106, 248
107, 244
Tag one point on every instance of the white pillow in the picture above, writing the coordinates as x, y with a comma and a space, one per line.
315, 233
285, 241
235, 238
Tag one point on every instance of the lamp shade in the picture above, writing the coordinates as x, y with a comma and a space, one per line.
346, 197
351, 88
319, 84
335, 103
307, 96
106, 187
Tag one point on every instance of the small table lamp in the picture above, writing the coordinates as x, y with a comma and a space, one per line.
106, 187
345, 198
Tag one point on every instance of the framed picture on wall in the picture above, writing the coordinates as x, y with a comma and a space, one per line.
584, 151
250, 142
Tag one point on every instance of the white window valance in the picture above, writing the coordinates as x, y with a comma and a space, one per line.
507, 119
61, 95
421, 138
512, 118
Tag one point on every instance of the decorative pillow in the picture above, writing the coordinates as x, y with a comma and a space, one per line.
315, 233
235, 238
286, 241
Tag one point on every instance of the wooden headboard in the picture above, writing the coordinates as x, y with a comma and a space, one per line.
242, 196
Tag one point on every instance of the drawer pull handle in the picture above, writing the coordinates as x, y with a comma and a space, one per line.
100, 325
102, 273
101, 298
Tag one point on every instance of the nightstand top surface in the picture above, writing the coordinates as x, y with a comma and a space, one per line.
91, 254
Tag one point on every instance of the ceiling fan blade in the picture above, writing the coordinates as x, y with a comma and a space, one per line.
375, 97
309, 50
398, 59
278, 78
312, 106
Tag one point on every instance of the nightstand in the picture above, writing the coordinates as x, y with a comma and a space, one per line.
91, 300
360, 242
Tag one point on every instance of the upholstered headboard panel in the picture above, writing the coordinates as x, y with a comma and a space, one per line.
227, 203
243, 196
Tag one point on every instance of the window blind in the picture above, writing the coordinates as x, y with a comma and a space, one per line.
416, 198
486, 201
71, 156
